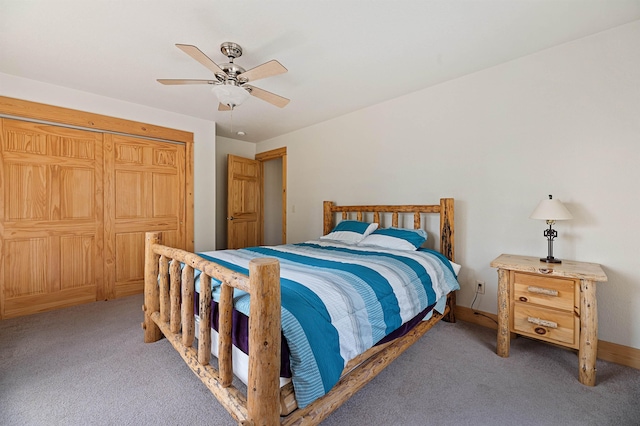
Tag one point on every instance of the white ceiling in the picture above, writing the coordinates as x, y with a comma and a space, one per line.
341, 55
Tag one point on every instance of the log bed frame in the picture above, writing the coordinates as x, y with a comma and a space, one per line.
168, 310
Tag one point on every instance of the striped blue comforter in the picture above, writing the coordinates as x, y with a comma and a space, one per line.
338, 301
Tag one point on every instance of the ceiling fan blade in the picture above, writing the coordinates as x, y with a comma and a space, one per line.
267, 69
197, 54
174, 81
223, 107
272, 98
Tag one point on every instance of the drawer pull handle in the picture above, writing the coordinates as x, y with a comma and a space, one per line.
541, 331
523, 299
540, 290
544, 323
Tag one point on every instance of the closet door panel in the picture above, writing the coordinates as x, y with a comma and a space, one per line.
76, 186
130, 196
144, 191
26, 192
25, 261
171, 238
76, 266
165, 194
52, 230
129, 261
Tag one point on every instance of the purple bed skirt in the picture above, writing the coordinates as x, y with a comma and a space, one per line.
240, 332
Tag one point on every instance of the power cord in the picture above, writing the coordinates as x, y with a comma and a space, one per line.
474, 300
480, 313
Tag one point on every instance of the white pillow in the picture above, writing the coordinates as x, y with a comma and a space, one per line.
350, 231
396, 239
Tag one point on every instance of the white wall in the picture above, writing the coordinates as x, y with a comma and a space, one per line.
564, 121
204, 137
272, 202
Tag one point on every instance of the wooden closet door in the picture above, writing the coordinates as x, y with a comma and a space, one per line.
144, 191
51, 217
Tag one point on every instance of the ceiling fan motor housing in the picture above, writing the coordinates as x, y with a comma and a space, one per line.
232, 70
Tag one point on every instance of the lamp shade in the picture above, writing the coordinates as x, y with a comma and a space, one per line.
230, 95
551, 209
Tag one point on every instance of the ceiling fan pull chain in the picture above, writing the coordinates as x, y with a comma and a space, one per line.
231, 120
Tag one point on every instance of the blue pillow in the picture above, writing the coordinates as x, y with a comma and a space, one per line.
350, 231
396, 239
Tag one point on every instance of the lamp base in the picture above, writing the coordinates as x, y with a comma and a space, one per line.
550, 259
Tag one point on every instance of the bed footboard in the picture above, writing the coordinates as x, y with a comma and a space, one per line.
168, 310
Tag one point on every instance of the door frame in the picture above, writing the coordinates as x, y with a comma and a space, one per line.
262, 157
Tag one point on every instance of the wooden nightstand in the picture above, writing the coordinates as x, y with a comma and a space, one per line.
551, 302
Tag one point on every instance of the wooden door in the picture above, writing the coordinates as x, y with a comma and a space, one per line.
144, 191
51, 217
243, 202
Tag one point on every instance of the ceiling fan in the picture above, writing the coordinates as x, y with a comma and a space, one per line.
231, 80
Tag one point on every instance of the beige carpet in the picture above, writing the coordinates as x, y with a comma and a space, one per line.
87, 365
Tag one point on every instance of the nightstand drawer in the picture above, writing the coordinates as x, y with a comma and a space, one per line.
551, 292
546, 324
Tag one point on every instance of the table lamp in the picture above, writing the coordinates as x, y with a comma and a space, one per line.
551, 210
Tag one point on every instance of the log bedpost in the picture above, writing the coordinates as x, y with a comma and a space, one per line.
263, 389
327, 217
446, 229
447, 244
152, 332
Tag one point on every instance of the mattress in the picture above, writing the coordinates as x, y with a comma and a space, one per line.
338, 301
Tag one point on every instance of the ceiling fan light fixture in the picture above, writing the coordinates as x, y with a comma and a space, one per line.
230, 84
230, 95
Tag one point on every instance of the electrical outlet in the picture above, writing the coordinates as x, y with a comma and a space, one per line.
480, 287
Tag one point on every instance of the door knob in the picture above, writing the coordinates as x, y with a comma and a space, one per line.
230, 218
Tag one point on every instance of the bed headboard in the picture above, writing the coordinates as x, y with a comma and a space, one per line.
445, 209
